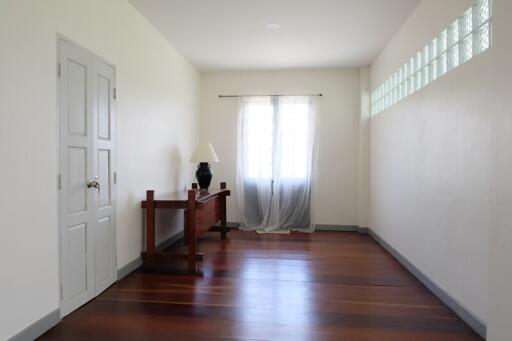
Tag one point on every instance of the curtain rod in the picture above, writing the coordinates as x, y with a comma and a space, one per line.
235, 96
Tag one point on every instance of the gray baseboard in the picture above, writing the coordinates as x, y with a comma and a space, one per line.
38, 328
128, 268
137, 262
364, 230
341, 228
169, 241
458, 308
233, 225
323, 227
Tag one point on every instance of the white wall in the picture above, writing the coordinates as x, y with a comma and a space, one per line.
499, 90
364, 148
433, 166
157, 117
336, 186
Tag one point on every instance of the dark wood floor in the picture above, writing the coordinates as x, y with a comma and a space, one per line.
321, 286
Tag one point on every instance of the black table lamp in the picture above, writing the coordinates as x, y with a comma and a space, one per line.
204, 154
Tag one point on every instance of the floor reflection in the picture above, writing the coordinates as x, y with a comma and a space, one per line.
323, 286
276, 291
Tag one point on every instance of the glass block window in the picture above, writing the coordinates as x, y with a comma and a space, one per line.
462, 40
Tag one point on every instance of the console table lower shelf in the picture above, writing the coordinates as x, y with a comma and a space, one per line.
203, 210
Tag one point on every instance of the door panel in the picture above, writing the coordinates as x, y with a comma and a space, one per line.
76, 262
77, 176
104, 107
87, 210
103, 259
77, 89
104, 177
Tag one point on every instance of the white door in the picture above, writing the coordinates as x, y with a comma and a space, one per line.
86, 175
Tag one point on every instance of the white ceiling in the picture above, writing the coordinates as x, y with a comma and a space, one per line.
231, 34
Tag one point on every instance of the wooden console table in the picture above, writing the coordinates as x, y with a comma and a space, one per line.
203, 210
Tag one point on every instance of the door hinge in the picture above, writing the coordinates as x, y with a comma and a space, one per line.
115, 177
61, 295
115, 93
59, 181
58, 70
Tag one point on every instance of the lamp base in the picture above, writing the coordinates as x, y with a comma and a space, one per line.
203, 175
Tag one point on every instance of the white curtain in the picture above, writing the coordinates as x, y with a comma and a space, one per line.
276, 149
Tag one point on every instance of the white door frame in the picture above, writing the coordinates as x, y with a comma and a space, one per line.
61, 38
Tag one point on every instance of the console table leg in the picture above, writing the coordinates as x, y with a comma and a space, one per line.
223, 232
191, 231
149, 258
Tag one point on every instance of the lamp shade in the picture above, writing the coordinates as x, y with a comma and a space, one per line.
204, 153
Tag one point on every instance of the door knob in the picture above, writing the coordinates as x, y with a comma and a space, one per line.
93, 183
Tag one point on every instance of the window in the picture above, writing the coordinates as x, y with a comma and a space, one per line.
276, 136
259, 137
465, 38
275, 161
294, 121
